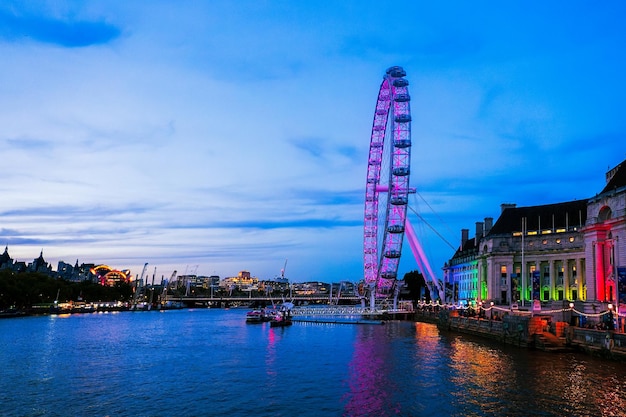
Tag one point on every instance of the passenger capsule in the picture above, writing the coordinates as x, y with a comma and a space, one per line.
396, 71
402, 98
401, 172
403, 118
402, 143
396, 228
398, 201
400, 82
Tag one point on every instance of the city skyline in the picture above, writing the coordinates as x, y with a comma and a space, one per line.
227, 136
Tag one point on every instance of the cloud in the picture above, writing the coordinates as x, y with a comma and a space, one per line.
66, 33
294, 224
30, 144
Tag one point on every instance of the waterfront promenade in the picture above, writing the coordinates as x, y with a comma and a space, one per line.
539, 332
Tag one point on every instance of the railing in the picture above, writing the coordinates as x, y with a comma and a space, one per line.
334, 311
276, 299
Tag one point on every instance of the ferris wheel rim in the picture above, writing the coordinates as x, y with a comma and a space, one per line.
381, 258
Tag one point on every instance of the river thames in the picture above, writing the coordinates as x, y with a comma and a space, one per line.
211, 363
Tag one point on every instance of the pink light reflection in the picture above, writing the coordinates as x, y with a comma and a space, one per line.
370, 387
270, 355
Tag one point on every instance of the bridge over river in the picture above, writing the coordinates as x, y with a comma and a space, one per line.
239, 301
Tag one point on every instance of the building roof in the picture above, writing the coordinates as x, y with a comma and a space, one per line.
5, 256
467, 247
40, 262
618, 178
546, 217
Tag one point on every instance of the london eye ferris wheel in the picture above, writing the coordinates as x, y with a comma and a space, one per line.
387, 185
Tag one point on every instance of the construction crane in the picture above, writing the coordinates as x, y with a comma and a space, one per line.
282, 279
165, 285
138, 284
282, 271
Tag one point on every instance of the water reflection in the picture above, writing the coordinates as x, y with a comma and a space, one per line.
483, 373
492, 380
369, 383
413, 370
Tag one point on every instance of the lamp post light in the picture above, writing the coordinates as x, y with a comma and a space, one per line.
571, 313
480, 309
611, 325
491, 311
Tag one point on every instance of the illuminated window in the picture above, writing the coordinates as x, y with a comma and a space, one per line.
560, 230
532, 233
546, 232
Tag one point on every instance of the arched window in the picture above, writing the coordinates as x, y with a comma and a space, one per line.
605, 214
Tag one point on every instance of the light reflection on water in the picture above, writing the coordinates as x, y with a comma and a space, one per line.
210, 362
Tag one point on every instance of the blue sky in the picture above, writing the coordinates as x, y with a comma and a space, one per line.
221, 136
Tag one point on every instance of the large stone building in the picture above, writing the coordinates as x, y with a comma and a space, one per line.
556, 253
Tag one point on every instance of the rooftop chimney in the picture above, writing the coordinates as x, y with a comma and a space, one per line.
464, 237
479, 230
505, 206
488, 225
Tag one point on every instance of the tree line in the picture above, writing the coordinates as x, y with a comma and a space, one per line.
23, 290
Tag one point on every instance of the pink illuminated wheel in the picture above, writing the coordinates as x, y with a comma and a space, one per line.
387, 186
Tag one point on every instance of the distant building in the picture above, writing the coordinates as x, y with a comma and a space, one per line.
66, 271
108, 276
6, 262
312, 288
243, 281
40, 265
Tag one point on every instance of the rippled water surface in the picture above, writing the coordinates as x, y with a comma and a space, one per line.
210, 363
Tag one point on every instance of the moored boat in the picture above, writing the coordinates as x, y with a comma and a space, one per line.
259, 316
283, 316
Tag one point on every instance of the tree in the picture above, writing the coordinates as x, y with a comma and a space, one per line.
416, 286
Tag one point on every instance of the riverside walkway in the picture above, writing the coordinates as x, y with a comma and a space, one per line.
532, 332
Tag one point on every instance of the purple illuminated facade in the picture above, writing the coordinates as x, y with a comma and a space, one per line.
387, 186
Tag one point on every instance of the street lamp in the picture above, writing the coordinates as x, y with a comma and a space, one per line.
610, 324
491, 311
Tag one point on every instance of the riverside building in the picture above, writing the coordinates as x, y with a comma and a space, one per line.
548, 255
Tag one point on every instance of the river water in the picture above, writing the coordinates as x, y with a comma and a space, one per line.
211, 363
